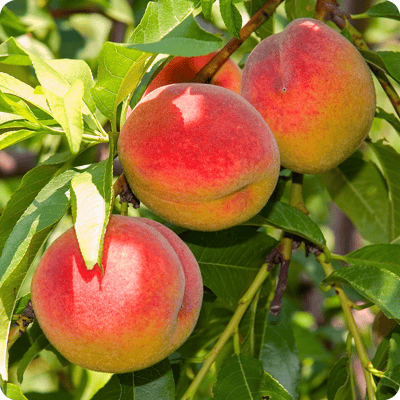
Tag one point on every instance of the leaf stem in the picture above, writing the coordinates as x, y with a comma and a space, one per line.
232, 327
353, 329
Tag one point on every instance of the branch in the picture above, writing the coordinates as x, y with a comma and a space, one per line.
210, 69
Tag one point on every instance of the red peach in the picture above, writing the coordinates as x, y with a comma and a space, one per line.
315, 92
138, 312
199, 155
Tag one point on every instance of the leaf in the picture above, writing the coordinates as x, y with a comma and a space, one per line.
300, 9
286, 217
188, 39
155, 382
230, 259
206, 6
110, 391
385, 256
391, 118
379, 285
67, 112
60, 78
12, 137
390, 160
387, 61
40, 343
11, 85
17, 107
242, 377
21, 304
14, 392
338, 378
385, 9
120, 10
31, 184
25, 240
128, 67
279, 356
91, 208
360, 191
231, 17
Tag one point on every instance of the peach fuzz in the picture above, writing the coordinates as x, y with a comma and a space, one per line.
199, 156
137, 313
314, 90
184, 69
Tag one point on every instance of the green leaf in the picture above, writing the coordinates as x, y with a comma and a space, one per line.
12, 137
267, 28
14, 392
159, 19
385, 256
242, 377
21, 304
206, 6
155, 382
229, 260
359, 190
110, 391
390, 160
231, 17
385, 9
377, 284
120, 10
31, 184
290, 219
391, 118
338, 381
387, 61
11, 22
120, 71
187, 39
300, 9
279, 356
39, 344
11, 85
73, 70
17, 107
24, 242
91, 208
67, 112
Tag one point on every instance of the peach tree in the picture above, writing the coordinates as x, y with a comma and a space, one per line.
295, 307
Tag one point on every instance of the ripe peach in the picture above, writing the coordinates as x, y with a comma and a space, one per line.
184, 69
199, 155
138, 312
314, 90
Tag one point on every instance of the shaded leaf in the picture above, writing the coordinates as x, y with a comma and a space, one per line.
40, 343
338, 380
360, 191
385, 61
279, 356
230, 259
391, 118
379, 285
242, 377
390, 161
290, 219
386, 9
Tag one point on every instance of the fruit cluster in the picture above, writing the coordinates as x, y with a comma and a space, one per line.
207, 158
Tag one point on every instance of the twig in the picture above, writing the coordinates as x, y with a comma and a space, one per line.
210, 69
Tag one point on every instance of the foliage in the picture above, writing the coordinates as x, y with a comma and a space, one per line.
65, 85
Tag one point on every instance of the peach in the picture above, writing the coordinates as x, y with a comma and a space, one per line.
199, 156
136, 313
314, 90
184, 69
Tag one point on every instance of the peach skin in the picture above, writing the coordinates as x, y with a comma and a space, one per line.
199, 156
134, 315
314, 90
